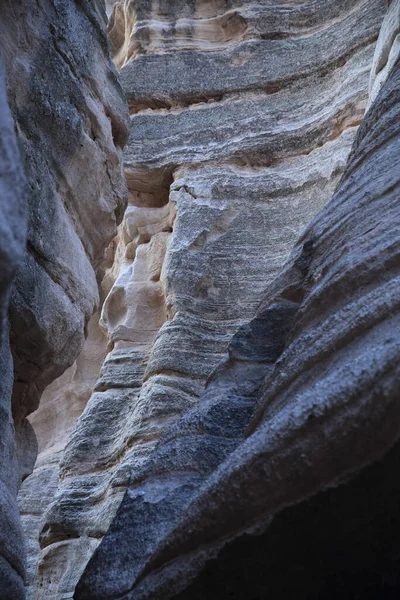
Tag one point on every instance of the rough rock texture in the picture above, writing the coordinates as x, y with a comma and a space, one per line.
71, 121
70, 117
306, 506
13, 226
234, 147
60, 406
387, 50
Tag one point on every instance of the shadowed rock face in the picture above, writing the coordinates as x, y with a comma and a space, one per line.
69, 111
70, 118
12, 242
300, 500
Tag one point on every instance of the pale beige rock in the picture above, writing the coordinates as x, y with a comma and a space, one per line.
134, 310
64, 399
73, 554
132, 314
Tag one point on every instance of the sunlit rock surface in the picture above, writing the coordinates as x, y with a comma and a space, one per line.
387, 49
242, 120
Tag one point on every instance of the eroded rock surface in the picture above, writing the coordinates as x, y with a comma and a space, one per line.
71, 121
70, 118
306, 506
234, 147
13, 226
60, 406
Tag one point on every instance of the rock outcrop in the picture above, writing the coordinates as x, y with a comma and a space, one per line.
71, 120
71, 128
13, 225
300, 500
242, 119
61, 404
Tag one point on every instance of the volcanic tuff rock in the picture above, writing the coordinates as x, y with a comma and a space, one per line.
71, 122
304, 502
61, 404
242, 119
61, 121
13, 225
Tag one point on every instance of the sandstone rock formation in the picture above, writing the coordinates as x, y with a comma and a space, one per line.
13, 223
242, 119
70, 117
306, 505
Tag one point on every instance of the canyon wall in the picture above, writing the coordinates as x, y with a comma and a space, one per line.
301, 499
13, 226
70, 118
242, 119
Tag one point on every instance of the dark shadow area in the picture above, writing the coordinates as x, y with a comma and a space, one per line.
344, 543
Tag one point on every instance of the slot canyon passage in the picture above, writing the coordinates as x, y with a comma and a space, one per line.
199, 299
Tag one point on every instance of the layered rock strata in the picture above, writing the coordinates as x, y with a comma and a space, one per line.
13, 226
234, 146
70, 118
306, 505
61, 404
71, 128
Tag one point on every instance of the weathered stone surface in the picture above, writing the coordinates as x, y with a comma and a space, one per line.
218, 193
71, 122
144, 31
387, 50
60, 406
13, 226
307, 505
256, 130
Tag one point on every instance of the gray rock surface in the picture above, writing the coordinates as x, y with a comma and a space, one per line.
61, 404
307, 504
265, 59
71, 123
13, 227
70, 120
223, 174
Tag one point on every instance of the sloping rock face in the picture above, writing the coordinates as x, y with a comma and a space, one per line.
71, 127
71, 122
13, 226
242, 119
304, 502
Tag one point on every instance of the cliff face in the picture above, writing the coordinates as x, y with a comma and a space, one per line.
300, 500
70, 119
12, 239
218, 418
242, 119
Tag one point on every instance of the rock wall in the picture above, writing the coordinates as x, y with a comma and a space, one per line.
61, 404
13, 225
242, 119
300, 500
70, 118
